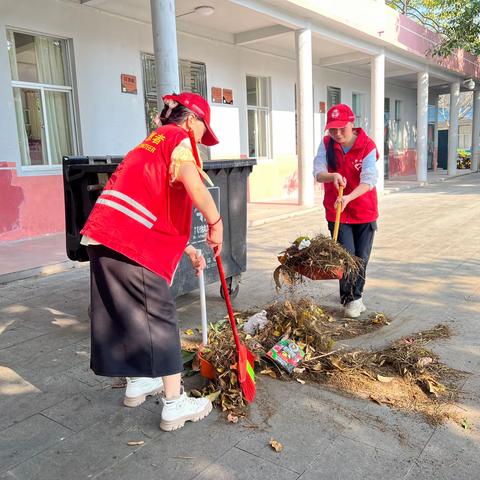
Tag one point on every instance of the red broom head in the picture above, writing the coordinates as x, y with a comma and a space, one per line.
246, 376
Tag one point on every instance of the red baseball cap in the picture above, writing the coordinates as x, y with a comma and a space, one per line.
338, 116
198, 105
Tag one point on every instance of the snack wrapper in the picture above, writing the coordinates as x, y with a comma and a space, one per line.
287, 354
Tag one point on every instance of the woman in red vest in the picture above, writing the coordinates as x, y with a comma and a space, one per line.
347, 157
136, 235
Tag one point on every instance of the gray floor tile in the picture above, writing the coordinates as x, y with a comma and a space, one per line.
239, 465
352, 460
182, 454
82, 410
28, 438
91, 451
295, 416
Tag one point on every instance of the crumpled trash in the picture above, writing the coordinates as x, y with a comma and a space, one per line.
304, 244
256, 323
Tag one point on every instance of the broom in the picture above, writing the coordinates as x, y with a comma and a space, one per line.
246, 359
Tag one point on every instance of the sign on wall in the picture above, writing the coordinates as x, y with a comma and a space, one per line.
227, 96
128, 83
222, 95
216, 95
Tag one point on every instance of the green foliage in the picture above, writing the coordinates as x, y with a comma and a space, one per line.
463, 159
457, 21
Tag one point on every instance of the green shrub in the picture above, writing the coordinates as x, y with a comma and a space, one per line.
464, 160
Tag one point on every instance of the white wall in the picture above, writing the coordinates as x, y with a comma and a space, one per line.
227, 67
113, 122
408, 98
348, 83
105, 46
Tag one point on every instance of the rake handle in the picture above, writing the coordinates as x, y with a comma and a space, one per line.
231, 317
338, 215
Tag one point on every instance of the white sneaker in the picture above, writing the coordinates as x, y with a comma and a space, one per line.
139, 388
176, 412
354, 309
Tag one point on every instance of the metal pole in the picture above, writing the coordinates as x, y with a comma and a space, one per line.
164, 29
303, 41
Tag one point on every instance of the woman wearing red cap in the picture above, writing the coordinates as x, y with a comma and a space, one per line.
347, 157
136, 235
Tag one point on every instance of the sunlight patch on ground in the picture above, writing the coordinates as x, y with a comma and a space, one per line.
53, 311
65, 322
13, 384
5, 325
15, 309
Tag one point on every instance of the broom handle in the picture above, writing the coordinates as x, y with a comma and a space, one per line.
231, 317
339, 213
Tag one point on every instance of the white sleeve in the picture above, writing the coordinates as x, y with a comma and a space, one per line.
320, 161
369, 174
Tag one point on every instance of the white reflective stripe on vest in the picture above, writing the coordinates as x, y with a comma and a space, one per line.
126, 211
131, 201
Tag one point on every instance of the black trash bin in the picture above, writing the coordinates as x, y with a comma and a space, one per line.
85, 177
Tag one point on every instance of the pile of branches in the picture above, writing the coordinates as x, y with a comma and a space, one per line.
221, 353
322, 254
405, 375
309, 325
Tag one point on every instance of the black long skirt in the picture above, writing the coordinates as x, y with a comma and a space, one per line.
134, 329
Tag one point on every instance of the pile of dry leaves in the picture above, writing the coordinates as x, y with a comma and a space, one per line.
406, 375
313, 258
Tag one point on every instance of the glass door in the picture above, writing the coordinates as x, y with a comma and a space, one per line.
431, 145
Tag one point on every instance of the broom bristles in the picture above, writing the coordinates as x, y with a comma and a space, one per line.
249, 388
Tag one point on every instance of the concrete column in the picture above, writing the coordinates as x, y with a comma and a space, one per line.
303, 43
164, 28
435, 133
377, 112
453, 128
476, 131
422, 126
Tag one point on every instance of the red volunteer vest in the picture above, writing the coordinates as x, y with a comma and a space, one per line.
139, 214
363, 209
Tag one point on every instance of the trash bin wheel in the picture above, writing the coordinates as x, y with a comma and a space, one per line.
233, 292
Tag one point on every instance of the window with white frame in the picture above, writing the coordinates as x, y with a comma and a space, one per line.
193, 78
334, 96
358, 108
43, 97
258, 117
464, 136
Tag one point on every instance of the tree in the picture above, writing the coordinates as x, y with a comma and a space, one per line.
457, 22
464, 107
